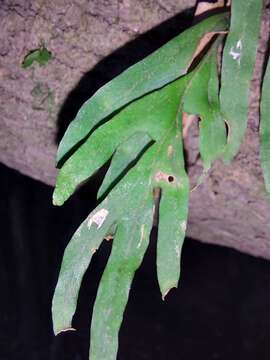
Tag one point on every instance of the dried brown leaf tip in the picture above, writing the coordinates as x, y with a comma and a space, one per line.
205, 6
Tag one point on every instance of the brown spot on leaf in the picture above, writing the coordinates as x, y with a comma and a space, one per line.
161, 176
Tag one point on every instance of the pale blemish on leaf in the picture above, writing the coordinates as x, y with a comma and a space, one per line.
178, 251
183, 226
141, 237
170, 151
98, 218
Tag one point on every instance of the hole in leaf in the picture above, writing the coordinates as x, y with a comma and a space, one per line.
171, 178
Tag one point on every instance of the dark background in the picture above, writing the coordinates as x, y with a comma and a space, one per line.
220, 311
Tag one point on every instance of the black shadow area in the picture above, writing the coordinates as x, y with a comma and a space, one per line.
220, 310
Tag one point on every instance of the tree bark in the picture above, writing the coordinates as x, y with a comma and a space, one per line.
91, 42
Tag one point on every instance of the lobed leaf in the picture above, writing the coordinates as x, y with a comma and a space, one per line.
132, 236
265, 129
129, 246
144, 115
125, 155
172, 179
77, 257
157, 116
158, 69
144, 142
86, 240
161, 166
149, 114
237, 69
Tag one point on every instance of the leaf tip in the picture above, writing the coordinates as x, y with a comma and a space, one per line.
57, 200
59, 331
165, 292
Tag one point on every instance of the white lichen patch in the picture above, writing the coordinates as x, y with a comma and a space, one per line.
236, 51
98, 218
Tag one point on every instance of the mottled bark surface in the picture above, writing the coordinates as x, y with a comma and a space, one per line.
91, 42
79, 34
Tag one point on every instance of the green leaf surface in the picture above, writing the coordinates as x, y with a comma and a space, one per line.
237, 69
148, 114
160, 166
202, 98
77, 257
41, 56
171, 178
158, 69
124, 156
129, 247
132, 236
265, 129
144, 141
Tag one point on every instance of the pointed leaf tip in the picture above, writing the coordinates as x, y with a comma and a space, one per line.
57, 332
166, 292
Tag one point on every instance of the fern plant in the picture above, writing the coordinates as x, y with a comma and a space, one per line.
135, 121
